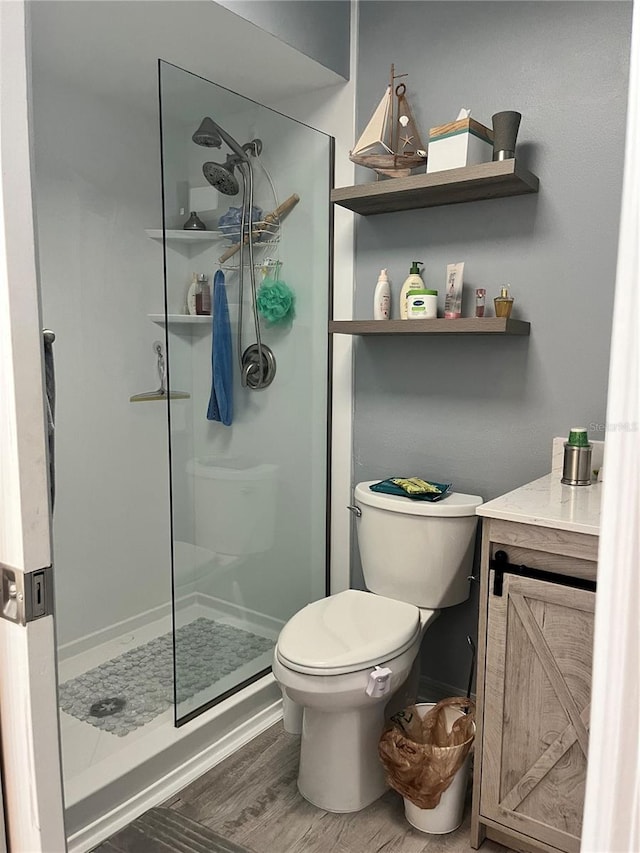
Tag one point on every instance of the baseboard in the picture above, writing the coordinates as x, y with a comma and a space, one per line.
174, 781
430, 690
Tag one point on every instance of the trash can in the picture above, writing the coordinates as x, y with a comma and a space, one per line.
430, 766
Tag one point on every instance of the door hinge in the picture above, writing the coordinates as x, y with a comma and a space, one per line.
25, 596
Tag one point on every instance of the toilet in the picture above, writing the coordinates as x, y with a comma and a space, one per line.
351, 659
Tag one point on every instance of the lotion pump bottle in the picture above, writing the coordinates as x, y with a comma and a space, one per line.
382, 298
412, 282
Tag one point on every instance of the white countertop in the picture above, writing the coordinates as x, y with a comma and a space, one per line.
548, 503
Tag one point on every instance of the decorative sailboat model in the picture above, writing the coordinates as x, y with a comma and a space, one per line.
390, 143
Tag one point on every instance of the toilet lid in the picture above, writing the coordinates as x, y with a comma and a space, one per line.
346, 632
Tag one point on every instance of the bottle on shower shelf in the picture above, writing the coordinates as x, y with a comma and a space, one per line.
203, 296
190, 306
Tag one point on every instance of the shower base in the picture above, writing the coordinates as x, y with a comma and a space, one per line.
108, 779
133, 688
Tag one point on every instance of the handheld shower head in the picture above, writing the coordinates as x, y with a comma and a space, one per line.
220, 175
207, 134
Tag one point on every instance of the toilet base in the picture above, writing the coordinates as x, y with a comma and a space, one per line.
339, 766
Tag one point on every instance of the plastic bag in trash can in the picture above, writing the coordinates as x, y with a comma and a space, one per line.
420, 756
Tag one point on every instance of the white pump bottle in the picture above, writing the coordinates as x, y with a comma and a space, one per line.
412, 282
382, 298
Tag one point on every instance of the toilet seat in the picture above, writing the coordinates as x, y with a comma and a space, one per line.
346, 632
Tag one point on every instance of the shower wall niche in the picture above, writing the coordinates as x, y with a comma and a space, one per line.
248, 500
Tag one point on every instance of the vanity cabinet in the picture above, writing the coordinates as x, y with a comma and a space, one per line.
533, 686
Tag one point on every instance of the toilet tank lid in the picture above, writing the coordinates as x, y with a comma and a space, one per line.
346, 631
455, 505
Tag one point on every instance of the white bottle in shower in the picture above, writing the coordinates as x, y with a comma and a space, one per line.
191, 295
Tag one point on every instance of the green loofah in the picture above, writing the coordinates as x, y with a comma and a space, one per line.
275, 301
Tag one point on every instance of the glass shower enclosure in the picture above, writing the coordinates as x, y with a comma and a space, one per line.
246, 214
181, 543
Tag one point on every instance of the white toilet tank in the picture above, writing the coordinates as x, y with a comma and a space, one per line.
234, 504
420, 552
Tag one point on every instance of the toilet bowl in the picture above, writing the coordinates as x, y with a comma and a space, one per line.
323, 660
351, 659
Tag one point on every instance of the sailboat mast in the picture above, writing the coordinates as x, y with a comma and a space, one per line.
392, 125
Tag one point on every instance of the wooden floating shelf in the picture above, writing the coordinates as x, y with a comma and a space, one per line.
453, 186
463, 326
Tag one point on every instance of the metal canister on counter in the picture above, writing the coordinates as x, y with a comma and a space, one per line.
576, 470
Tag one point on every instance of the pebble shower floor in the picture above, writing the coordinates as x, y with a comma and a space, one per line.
132, 689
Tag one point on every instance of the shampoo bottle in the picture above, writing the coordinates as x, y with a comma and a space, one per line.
382, 298
191, 295
412, 282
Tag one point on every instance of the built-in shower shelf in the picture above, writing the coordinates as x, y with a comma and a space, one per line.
186, 236
182, 322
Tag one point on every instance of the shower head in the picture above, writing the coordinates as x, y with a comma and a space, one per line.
211, 135
207, 134
220, 175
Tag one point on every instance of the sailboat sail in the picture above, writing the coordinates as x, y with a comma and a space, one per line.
390, 143
377, 130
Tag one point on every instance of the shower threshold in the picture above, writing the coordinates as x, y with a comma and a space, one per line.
112, 774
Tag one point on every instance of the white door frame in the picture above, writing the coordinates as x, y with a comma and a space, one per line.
3, 833
28, 708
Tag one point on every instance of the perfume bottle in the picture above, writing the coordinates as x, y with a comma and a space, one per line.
503, 303
480, 301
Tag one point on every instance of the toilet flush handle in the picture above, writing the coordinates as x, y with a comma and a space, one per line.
355, 510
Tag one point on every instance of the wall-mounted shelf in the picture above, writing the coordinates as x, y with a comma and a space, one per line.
186, 236
453, 186
183, 322
463, 326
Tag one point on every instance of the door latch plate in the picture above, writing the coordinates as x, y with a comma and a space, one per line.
25, 596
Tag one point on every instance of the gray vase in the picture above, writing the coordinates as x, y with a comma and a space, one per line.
505, 131
194, 223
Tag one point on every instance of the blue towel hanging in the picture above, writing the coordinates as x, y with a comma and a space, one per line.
221, 399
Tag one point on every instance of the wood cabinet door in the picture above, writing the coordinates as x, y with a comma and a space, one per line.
536, 719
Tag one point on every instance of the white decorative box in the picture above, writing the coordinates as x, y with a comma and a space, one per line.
464, 142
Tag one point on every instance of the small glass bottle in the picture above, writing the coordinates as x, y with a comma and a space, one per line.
503, 303
480, 300
203, 296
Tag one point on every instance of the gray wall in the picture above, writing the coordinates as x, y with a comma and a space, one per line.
481, 413
317, 28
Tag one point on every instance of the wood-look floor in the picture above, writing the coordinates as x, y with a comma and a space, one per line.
252, 799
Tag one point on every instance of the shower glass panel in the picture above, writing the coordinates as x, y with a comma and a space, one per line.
248, 498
